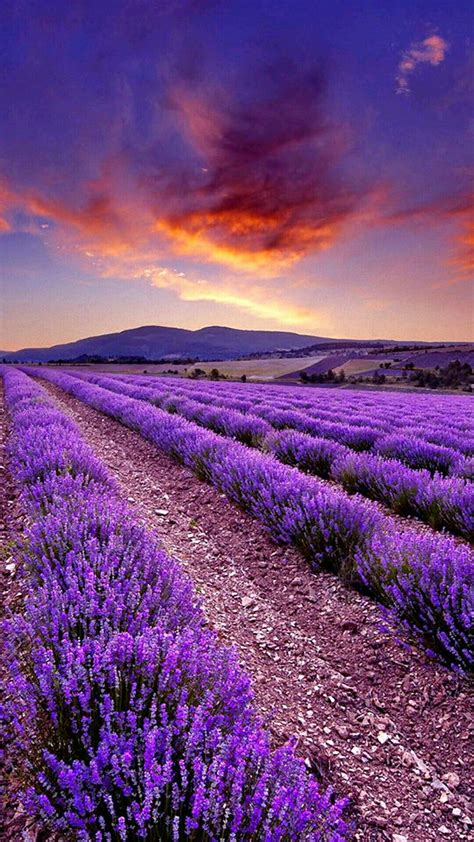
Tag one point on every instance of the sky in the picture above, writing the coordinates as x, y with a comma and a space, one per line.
303, 165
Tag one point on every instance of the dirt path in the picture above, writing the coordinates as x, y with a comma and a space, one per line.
385, 724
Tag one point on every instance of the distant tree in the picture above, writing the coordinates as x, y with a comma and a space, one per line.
455, 375
342, 376
214, 374
244, 378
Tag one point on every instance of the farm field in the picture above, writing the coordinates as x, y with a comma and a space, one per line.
298, 541
264, 369
359, 366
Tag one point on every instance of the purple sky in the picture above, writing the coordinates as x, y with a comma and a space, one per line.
301, 164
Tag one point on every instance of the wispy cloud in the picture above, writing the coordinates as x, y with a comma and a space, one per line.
430, 51
464, 260
457, 210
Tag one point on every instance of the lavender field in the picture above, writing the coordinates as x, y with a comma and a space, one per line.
127, 716
236, 422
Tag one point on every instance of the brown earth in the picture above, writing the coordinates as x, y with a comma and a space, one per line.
377, 719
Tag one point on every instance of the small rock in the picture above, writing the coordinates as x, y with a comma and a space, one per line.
397, 837
342, 731
452, 779
247, 601
161, 512
131, 499
444, 830
383, 737
379, 821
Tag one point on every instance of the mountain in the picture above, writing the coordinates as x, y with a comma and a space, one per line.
154, 342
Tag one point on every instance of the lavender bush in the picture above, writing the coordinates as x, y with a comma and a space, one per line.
430, 591
420, 454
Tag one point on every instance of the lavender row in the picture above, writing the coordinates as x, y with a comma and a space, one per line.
443, 503
373, 425
129, 720
426, 580
407, 412
402, 412
407, 449
376, 418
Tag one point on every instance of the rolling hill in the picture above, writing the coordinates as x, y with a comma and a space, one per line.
155, 342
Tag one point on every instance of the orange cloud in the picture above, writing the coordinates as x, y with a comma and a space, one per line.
106, 220
266, 300
269, 190
459, 211
465, 259
430, 51
194, 234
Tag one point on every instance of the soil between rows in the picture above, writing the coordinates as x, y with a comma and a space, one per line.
383, 724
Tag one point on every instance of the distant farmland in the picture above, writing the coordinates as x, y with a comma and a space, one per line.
264, 369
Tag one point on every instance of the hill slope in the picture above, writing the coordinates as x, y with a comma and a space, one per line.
154, 342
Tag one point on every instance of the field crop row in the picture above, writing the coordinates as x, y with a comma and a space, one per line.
445, 503
130, 720
409, 445
441, 419
426, 580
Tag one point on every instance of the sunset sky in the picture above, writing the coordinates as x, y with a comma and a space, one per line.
273, 164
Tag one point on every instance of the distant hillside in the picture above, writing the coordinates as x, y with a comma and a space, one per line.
154, 342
